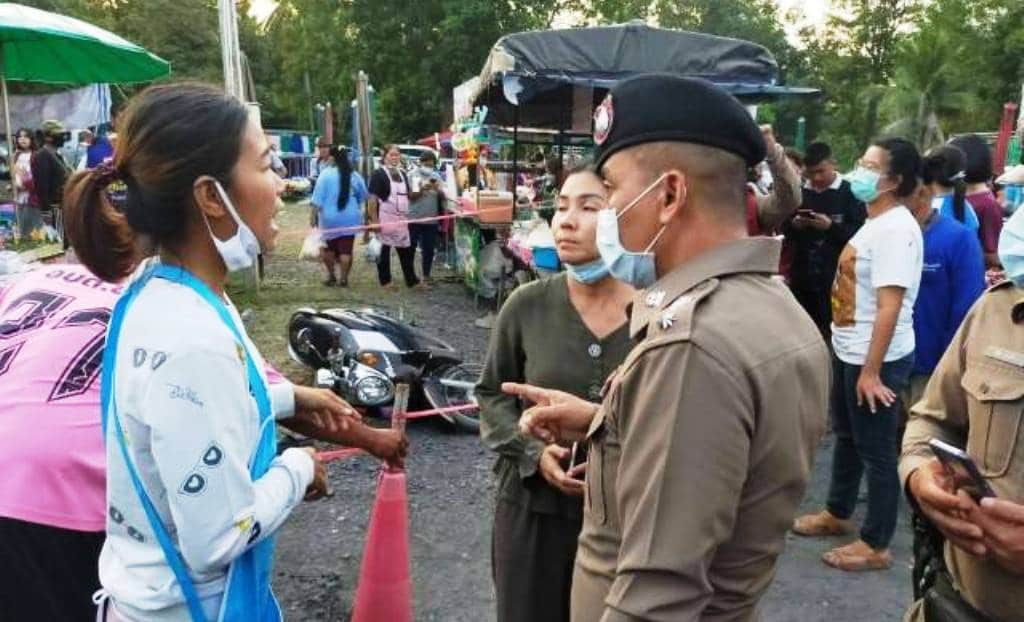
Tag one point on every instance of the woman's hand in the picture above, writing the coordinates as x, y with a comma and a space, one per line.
389, 445
324, 409
872, 391
550, 468
320, 487
933, 490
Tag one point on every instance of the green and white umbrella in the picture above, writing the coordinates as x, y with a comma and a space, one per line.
37, 46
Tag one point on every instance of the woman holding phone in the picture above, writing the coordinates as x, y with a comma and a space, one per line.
195, 489
568, 332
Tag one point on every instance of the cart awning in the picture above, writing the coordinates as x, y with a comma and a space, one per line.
548, 73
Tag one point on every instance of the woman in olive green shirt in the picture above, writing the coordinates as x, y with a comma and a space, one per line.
567, 332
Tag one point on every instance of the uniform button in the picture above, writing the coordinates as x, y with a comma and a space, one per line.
594, 350
984, 388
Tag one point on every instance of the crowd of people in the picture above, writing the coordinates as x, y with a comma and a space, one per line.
693, 454
655, 409
41, 164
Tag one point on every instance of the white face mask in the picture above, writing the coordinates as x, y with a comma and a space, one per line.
240, 250
636, 269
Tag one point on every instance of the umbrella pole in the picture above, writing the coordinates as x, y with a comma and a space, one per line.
7, 123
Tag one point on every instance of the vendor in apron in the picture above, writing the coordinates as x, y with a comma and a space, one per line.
195, 488
389, 207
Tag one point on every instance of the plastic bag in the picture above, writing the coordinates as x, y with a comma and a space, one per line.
311, 246
373, 249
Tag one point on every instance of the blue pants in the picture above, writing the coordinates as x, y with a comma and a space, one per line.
424, 236
867, 441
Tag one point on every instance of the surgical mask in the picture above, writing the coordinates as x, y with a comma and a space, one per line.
240, 250
636, 269
1011, 248
588, 273
864, 184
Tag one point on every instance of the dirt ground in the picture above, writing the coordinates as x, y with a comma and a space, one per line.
451, 490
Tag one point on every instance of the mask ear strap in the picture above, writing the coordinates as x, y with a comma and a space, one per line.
640, 196
657, 237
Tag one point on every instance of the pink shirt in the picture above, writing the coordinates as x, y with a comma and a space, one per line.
53, 326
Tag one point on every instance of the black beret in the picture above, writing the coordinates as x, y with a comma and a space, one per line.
658, 107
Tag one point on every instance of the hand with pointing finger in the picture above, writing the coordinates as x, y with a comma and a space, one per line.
555, 415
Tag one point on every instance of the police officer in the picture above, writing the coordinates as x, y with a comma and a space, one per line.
976, 398
703, 445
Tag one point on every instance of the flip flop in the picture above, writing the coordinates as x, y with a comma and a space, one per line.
821, 524
847, 560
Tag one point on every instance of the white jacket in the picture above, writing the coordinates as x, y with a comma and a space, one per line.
192, 427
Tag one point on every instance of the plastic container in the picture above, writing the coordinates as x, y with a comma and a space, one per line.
546, 257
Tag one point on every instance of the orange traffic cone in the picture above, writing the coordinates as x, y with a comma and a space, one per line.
384, 592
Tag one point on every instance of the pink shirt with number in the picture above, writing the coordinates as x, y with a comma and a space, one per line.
53, 326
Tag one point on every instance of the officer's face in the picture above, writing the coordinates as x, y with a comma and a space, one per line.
625, 179
582, 196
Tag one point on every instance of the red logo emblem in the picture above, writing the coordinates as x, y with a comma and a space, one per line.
604, 116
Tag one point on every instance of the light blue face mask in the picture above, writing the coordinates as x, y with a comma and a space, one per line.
1011, 248
636, 269
588, 273
864, 184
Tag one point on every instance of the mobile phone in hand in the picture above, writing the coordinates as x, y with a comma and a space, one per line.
962, 470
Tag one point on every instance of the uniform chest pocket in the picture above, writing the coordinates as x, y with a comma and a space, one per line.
596, 504
995, 405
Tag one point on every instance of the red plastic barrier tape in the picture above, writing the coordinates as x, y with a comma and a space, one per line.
442, 411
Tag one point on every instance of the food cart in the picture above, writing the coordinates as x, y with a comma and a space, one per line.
551, 81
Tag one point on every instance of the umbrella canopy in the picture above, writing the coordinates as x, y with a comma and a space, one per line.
37, 46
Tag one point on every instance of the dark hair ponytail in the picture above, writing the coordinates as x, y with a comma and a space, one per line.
340, 156
99, 233
945, 166
169, 136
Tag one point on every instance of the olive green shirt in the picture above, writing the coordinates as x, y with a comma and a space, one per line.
539, 339
703, 447
975, 400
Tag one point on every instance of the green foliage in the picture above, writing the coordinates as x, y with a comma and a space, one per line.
923, 68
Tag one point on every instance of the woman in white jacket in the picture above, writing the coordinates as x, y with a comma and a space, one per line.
195, 490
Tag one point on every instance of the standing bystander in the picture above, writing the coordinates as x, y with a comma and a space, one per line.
426, 200
825, 222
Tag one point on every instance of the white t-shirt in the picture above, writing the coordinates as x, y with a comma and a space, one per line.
183, 402
888, 251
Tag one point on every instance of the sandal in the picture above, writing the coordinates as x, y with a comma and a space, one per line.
858, 557
821, 524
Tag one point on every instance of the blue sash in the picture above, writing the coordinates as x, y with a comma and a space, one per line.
248, 596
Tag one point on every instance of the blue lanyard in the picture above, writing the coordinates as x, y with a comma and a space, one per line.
258, 388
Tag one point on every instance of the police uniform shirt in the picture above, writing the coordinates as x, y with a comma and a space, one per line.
975, 400
703, 447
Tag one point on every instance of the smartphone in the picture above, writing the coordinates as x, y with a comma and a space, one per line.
962, 470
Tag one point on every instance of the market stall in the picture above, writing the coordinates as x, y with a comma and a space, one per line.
549, 82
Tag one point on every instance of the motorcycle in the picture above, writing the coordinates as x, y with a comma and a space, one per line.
362, 355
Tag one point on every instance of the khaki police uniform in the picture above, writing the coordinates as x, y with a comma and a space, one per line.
703, 446
975, 399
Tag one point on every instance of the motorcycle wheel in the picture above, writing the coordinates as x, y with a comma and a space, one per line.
445, 396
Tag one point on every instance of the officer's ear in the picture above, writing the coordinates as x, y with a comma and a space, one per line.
673, 196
